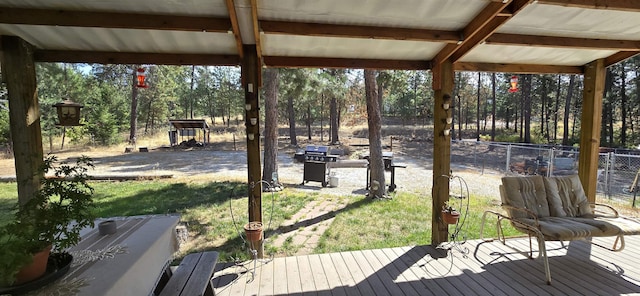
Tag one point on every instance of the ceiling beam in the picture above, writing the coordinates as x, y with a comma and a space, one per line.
486, 15
551, 41
233, 17
624, 5
349, 31
619, 57
489, 27
98, 57
518, 68
256, 35
256, 29
51, 17
310, 62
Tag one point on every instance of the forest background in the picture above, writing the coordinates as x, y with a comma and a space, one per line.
545, 109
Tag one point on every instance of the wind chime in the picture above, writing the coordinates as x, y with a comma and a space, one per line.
514, 84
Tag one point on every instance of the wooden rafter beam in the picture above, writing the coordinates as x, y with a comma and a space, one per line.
619, 57
517, 68
479, 22
233, 18
624, 5
256, 28
552, 41
349, 31
489, 27
309, 62
135, 58
51, 17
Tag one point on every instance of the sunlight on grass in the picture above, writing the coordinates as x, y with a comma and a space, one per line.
209, 210
403, 221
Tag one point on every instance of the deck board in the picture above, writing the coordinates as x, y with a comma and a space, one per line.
490, 268
334, 280
319, 275
306, 276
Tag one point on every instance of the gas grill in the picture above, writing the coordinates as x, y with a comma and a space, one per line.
316, 159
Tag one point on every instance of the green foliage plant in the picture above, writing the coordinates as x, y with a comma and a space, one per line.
53, 217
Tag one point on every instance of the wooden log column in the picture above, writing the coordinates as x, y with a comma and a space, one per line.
591, 121
250, 82
443, 87
19, 74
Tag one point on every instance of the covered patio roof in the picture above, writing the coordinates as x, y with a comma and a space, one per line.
522, 36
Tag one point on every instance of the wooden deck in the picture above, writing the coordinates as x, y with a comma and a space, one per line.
490, 268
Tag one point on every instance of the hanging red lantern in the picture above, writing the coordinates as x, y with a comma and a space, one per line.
140, 76
514, 84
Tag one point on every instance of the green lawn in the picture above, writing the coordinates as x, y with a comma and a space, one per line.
210, 209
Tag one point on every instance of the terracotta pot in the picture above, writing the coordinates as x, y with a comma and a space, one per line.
253, 231
34, 270
450, 217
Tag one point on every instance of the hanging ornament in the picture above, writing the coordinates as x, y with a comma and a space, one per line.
140, 76
514, 84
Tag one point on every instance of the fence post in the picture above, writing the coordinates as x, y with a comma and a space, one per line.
552, 156
475, 154
508, 158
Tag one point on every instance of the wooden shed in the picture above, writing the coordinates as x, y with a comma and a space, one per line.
182, 129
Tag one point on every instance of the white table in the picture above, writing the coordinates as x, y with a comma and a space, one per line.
128, 262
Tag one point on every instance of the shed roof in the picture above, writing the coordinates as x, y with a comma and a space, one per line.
189, 123
554, 36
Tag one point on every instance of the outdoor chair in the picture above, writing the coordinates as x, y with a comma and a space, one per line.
556, 209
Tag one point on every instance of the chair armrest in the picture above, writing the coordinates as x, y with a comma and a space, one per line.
604, 210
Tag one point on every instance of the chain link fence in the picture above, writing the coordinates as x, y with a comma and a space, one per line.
618, 169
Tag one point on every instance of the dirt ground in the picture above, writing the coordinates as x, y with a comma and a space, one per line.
221, 161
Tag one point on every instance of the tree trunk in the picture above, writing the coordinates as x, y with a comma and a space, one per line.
623, 105
493, 107
292, 122
544, 131
133, 120
334, 121
322, 118
270, 124
556, 108
567, 111
478, 109
455, 107
191, 98
607, 130
526, 108
308, 122
377, 187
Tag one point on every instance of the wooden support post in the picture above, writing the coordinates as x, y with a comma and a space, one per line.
591, 124
443, 75
250, 69
19, 74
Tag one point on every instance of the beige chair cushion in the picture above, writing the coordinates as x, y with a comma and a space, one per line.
574, 200
553, 197
557, 228
525, 192
626, 226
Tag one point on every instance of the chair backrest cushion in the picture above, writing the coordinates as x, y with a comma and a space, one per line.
525, 192
571, 194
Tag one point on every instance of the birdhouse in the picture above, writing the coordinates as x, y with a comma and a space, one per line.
68, 113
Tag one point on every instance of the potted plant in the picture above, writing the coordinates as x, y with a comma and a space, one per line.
50, 220
449, 214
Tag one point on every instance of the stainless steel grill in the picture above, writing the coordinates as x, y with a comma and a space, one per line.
316, 159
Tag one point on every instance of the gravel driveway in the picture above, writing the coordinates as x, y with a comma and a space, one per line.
232, 165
